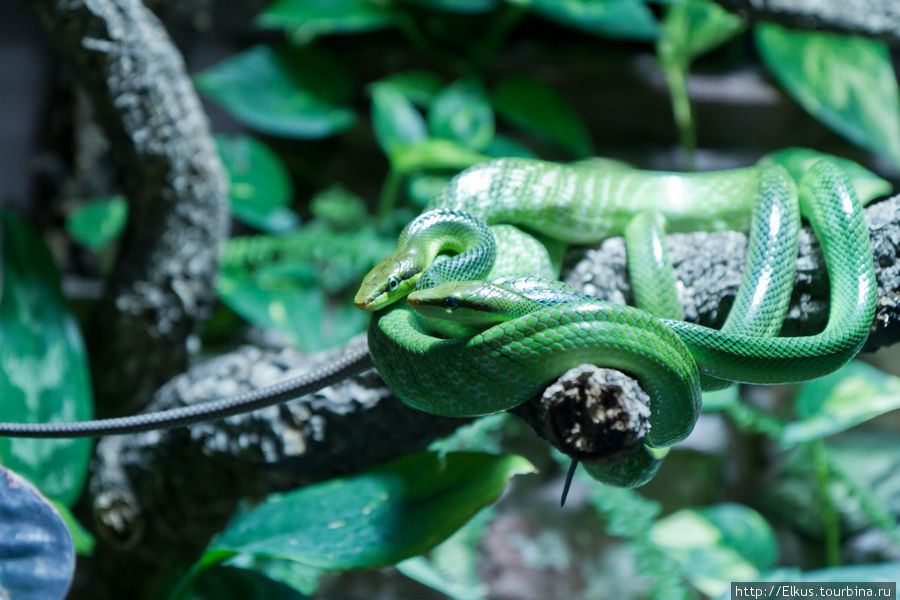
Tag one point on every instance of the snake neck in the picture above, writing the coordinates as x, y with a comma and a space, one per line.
466, 241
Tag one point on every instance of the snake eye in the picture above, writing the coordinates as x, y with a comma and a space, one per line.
451, 303
392, 284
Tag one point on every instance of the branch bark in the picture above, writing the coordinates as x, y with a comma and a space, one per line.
871, 18
162, 285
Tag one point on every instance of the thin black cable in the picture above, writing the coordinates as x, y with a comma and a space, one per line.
350, 363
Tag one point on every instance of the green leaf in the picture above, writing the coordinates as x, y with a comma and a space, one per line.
868, 185
38, 560
423, 187
461, 112
288, 92
339, 207
419, 86
717, 545
395, 120
98, 223
629, 19
502, 147
82, 539
457, 6
846, 82
434, 154
380, 517
231, 583
43, 367
260, 185
841, 400
537, 108
694, 27
286, 282
306, 19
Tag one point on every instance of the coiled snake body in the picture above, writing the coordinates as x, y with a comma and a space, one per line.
499, 364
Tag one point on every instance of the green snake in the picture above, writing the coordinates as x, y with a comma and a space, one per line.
510, 343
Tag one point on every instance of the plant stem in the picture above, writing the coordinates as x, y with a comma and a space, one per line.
390, 190
676, 77
829, 514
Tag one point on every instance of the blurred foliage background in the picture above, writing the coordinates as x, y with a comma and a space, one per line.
337, 120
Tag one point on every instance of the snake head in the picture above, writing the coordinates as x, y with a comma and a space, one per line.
478, 304
390, 280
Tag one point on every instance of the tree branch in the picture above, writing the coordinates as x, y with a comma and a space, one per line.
162, 285
871, 18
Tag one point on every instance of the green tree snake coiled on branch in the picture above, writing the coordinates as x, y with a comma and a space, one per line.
514, 337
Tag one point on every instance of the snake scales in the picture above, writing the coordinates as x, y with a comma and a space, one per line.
504, 344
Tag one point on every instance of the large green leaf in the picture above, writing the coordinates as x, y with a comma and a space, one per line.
260, 185
846, 82
462, 113
717, 544
395, 120
796, 160
305, 19
389, 513
841, 400
288, 92
630, 19
43, 367
694, 27
539, 109
98, 223
37, 560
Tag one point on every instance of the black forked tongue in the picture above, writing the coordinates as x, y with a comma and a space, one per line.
569, 476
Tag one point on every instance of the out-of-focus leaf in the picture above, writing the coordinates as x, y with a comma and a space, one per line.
841, 400
419, 86
630, 19
502, 147
537, 108
97, 223
434, 154
868, 185
395, 120
37, 559
846, 82
694, 27
283, 282
720, 399
422, 187
339, 207
232, 583
286, 92
260, 185
306, 19
392, 512
43, 366
452, 566
717, 545
462, 112
601, 163
82, 539
458, 6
